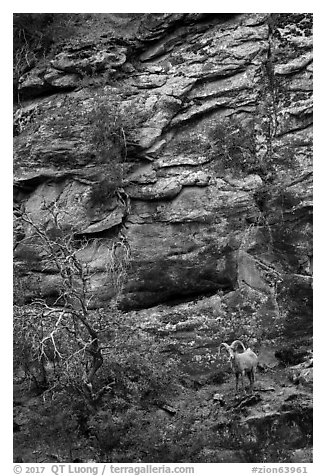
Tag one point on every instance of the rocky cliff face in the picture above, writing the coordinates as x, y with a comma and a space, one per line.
185, 139
216, 191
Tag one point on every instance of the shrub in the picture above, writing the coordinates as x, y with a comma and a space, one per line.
108, 132
33, 37
108, 138
31, 40
64, 340
234, 147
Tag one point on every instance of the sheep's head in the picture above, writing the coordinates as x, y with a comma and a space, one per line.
228, 348
235, 343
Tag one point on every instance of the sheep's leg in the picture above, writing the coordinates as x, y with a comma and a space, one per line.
236, 382
252, 378
249, 375
242, 380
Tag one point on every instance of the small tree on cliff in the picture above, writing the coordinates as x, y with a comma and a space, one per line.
63, 343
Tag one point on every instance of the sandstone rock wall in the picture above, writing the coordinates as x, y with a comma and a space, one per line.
217, 176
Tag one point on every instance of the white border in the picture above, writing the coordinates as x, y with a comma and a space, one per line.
319, 199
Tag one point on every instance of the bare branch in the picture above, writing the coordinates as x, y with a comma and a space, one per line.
68, 335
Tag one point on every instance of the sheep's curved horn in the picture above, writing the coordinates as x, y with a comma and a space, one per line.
237, 342
228, 348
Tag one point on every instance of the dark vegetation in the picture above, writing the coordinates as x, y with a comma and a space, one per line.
233, 147
108, 137
34, 35
31, 39
136, 377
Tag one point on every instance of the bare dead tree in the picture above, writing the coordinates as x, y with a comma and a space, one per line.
69, 323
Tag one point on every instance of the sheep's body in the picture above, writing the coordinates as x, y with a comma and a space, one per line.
242, 364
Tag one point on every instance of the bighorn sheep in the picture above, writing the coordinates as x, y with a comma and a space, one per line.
241, 363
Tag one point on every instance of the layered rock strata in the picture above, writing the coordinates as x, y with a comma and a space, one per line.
217, 177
